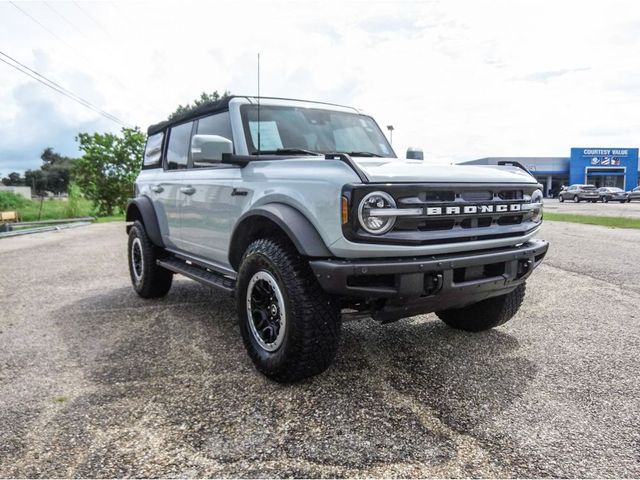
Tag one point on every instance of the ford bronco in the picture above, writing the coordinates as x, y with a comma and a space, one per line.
303, 212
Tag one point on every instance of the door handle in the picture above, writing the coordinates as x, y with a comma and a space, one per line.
157, 189
188, 190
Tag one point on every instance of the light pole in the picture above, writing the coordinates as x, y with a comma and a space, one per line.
390, 128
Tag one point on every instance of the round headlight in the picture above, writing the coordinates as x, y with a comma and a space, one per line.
536, 210
376, 224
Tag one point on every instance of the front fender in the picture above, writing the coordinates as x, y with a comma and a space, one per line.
294, 224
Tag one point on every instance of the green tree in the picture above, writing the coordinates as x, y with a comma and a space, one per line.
202, 100
14, 179
107, 170
37, 180
57, 170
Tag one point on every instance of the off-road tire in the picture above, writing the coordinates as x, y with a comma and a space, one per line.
312, 328
486, 314
153, 281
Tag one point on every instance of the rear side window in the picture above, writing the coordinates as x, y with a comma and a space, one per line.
153, 151
178, 149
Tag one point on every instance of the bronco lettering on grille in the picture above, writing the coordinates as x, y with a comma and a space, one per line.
474, 209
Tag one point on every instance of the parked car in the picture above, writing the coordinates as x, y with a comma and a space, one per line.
578, 193
615, 194
633, 194
304, 212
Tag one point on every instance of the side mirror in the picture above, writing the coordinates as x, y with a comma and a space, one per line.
209, 148
415, 153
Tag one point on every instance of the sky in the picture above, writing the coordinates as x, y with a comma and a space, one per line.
460, 79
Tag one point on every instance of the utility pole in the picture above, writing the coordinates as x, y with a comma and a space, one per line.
390, 128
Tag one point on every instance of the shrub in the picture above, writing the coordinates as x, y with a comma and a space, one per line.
12, 201
72, 208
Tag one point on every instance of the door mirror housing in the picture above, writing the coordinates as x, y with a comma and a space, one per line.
209, 148
414, 153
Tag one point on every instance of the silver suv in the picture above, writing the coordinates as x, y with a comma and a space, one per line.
303, 211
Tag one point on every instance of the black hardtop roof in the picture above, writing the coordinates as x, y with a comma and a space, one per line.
215, 107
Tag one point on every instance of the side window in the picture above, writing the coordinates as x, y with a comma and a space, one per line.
153, 151
218, 124
178, 149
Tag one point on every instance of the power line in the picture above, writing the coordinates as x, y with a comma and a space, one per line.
57, 85
45, 28
65, 19
80, 54
60, 89
90, 17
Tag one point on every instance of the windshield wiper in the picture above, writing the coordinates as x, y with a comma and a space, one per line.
362, 154
286, 151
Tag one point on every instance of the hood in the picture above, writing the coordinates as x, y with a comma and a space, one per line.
383, 170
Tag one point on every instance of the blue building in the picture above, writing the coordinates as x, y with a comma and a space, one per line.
602, 167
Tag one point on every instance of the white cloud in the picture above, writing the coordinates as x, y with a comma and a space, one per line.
463, 79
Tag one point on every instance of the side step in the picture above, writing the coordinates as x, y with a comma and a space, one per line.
203, 275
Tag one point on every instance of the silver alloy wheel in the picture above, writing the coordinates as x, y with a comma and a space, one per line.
137, 259
266, 311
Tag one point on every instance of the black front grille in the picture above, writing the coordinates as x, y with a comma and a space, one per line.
460, 213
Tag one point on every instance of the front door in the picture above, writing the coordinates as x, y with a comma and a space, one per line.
209, 204
209, 209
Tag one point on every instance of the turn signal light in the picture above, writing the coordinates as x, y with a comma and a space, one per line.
345, 210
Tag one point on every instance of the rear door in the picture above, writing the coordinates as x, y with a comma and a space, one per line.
169, 182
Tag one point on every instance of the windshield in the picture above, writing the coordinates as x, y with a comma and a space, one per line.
310, 130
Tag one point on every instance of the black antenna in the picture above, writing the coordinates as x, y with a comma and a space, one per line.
258, 103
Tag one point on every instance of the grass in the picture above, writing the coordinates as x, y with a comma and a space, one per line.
53, 209
615, 222
112, 218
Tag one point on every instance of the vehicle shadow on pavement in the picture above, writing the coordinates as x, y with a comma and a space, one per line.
169, 389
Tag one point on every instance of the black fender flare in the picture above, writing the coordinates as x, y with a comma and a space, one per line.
293, 223
141, 208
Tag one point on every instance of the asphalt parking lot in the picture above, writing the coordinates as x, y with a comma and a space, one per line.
610, 209
96, 382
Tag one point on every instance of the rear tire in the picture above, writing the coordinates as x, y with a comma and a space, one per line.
560, 198
605, 199
576, 199
486, 314
148, 279
289, 325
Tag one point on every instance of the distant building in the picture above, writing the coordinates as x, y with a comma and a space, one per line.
602, 167
23, 191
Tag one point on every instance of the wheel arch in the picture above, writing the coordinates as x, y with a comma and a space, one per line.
288, 221
141, 209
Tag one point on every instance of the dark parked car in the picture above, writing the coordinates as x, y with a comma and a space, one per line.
633, 194
578, 193
613, 194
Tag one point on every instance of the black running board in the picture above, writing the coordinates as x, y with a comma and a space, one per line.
199, 274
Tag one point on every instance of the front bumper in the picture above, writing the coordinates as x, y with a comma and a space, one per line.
409, 286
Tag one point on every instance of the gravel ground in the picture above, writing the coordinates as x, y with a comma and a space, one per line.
611, 209
96, 382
